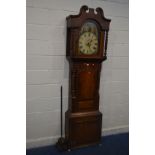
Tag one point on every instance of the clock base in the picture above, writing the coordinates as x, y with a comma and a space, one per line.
83, 129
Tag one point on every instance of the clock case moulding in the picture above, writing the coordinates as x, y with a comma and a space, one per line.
83, 120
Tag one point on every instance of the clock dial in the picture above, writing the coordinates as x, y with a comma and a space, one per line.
88, 43
88, 40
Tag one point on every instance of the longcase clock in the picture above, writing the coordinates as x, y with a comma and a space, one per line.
87, 37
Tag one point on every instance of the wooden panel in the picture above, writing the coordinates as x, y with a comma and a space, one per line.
86, 84
86, 105
80, 133
85, 80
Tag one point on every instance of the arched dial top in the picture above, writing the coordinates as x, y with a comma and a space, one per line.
88, 39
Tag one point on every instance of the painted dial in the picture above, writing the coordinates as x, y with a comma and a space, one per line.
88, 43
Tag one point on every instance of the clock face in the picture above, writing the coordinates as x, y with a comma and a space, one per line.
88, 40
88, 43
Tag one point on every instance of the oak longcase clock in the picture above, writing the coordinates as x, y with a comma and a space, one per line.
87, 36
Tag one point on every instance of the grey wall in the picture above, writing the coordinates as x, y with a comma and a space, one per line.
47, 67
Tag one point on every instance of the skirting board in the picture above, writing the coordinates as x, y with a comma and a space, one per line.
39, 142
